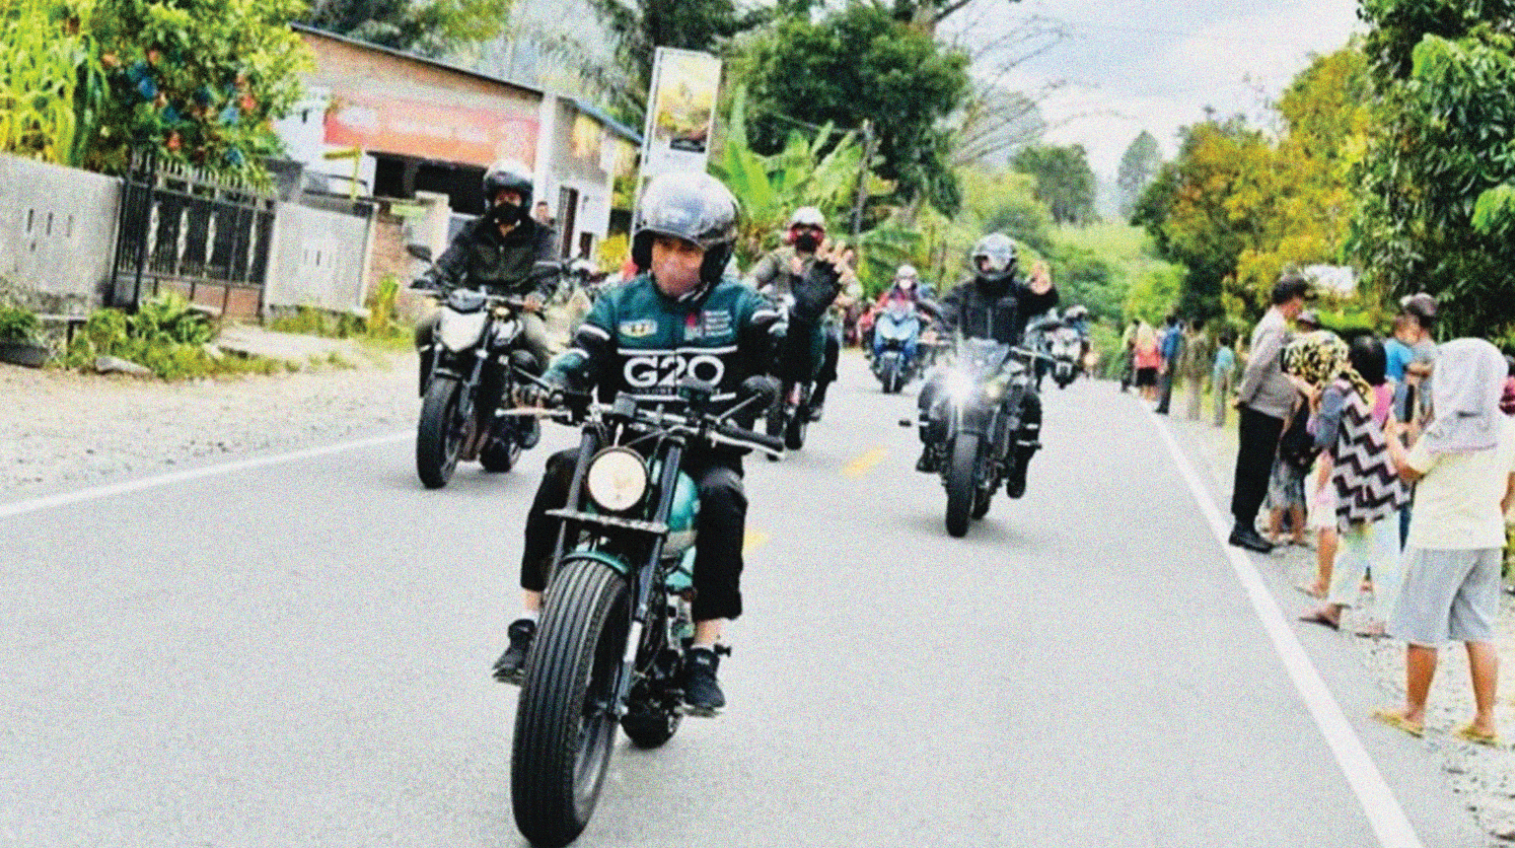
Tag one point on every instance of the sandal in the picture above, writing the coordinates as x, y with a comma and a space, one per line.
1472, 734
1399, 722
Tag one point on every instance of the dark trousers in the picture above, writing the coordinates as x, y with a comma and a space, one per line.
721, 527
1258, 434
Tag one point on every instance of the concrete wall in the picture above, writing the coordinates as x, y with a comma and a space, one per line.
319, 258
57, 235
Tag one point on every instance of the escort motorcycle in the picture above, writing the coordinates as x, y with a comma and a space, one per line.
1062, 346
476, 328
615, 620
897, 334
788, 416
976, 422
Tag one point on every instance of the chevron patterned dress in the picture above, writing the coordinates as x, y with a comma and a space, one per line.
1368, 487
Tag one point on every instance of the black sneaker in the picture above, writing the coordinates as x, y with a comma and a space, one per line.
531, 433
928, 463
702, 694
1246, 537
1015, 483
511, 666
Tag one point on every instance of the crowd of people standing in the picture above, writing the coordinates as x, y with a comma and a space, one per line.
1392, 456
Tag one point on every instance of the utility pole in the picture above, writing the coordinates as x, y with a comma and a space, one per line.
862, 182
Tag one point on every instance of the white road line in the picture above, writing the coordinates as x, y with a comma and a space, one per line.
97, 492
1385, 815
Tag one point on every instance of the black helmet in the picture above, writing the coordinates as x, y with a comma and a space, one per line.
694, 207
507, 175
1000, 251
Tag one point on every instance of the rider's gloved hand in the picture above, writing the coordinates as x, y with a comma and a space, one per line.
425, 284
549, 396
818, 289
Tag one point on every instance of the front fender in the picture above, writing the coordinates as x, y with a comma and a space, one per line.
611, 561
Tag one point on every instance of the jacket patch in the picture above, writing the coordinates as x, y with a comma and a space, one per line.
638, 329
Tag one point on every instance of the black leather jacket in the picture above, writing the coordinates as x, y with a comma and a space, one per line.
480, 256
979, 310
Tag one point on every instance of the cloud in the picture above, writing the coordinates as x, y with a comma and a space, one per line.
1127, 67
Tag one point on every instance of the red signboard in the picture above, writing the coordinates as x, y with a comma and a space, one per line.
427, 131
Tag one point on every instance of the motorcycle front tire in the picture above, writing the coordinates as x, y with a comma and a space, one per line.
565, 725
440, 435
961, 463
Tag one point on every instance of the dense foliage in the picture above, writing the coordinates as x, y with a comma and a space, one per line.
861, 66
1064, 180
199, 81
1439, 175
51, 82
427, 28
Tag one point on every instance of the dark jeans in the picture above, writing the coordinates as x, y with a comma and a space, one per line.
721, 526
1258, 435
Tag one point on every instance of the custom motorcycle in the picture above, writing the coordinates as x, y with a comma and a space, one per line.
616, 616
897, 334
477, 330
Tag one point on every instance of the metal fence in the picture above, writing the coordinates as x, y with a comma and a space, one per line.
186, 230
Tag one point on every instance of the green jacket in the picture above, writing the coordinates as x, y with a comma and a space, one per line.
639, 341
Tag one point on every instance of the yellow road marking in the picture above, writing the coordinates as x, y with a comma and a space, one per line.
753, 540
863, 464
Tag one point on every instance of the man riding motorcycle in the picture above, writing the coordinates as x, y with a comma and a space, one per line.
679, 316
498, 252
995, 303
776, 274
906, 288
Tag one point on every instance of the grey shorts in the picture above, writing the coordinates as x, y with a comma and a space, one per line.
1447, 596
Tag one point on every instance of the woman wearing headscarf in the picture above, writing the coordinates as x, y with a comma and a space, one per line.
1464, 470
1365, 490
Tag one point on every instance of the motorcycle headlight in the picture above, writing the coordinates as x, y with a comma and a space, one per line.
617, 479
459, 331
959, 386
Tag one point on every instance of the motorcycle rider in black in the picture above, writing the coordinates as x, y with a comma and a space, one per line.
498, 252
777, 273
681, 314
996, 303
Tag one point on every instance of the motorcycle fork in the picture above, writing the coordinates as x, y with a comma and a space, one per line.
642, 579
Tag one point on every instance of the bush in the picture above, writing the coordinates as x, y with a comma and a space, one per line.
166, 336
18, 325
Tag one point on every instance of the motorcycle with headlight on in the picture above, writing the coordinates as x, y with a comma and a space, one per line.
476, 339
615, 619
976, 420
1062, 347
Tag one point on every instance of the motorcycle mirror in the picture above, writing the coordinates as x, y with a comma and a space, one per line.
906, 422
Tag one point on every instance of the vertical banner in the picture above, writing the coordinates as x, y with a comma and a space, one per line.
680, 111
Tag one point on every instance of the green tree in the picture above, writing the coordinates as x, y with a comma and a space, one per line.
1064, 180
51, 82
1200, 209
199, 81
1438, 173
1138, 167
430, 29
861, 66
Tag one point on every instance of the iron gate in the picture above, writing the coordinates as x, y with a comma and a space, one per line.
184, 229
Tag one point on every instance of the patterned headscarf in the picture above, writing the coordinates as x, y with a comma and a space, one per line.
1320, 357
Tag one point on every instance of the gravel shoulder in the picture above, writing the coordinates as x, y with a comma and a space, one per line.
61, 430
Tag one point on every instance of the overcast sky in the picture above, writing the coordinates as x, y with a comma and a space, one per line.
1129, 66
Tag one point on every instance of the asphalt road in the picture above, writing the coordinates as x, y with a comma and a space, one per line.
295, 651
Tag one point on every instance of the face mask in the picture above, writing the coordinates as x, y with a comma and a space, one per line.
506, 213
807, 242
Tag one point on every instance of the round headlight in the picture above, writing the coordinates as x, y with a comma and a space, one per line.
617, 479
